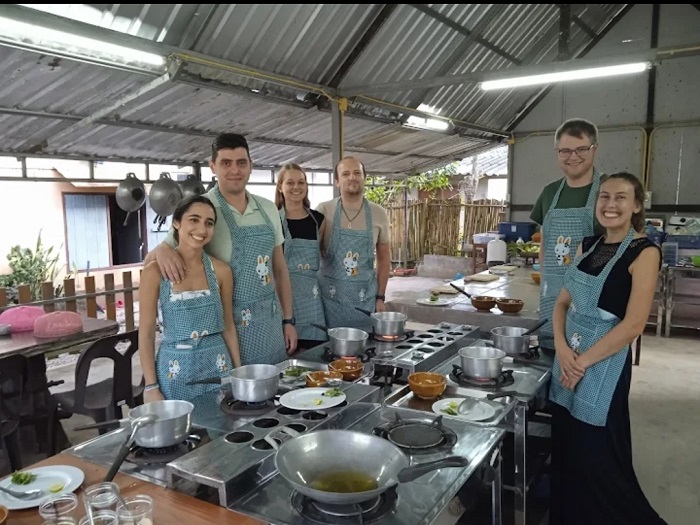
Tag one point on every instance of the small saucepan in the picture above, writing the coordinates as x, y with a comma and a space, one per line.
514, 340
345, 342
481, 362
387, 324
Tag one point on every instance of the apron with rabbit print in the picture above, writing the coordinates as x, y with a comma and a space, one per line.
256, 309
192, 347
347, 276
564, 229
303, 257
586, 324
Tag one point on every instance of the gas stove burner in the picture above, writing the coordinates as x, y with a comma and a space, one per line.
365, 356
233, 407
363, 513
505, 379
418, 436
407, 334
149, 456
533, 354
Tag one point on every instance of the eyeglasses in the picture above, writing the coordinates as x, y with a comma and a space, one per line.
582, 151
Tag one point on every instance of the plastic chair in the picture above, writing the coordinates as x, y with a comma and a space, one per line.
9, 443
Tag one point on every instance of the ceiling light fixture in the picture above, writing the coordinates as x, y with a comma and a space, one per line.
23, 34
565, 76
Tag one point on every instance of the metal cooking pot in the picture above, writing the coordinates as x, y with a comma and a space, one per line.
254, 383
481, 362
191, 186
164, 196
345, 342
514, 340
387, 323
344, 451
172, 425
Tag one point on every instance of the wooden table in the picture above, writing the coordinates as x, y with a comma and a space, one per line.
26, 344
169, 507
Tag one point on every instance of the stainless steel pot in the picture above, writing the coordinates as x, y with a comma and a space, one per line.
343, 451
164, 196
255, 383
387, 323
481, 362
172, 424
513, 340
345, 342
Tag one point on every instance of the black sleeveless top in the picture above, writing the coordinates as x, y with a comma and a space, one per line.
618, 286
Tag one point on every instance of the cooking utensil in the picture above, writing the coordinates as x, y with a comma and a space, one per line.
21, 495
170, 427
536, 327
130, 195
481, 362
191, 186
136, 425
387, 323
346, 451
460, 290
514, 340
164, 196
345, 342
255, 383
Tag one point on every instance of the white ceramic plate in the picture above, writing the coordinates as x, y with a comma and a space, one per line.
310, 399
439, 302
481, 412
70, 477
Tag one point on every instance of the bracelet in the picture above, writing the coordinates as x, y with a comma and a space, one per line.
381, 296
152, 386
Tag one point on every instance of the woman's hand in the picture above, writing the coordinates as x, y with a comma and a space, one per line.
290, 338
570, 383
153, 395
570, 369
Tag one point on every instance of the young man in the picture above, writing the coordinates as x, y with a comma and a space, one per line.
353, 229
566, 211
248, 234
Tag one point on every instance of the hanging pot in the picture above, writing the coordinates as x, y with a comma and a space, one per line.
130, 195
191, 186
164, 196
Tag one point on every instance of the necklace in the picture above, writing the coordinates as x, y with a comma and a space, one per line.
346, 213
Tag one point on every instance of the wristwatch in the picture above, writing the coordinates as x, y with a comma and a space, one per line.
291, 321
381, 296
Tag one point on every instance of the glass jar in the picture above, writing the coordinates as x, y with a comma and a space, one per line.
102, 496
136, 510
59, 509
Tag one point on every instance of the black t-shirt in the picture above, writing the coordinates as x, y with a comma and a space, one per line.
618, 285
305, 228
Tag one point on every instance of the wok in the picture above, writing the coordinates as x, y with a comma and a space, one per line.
345, 342
387, 323
304, 459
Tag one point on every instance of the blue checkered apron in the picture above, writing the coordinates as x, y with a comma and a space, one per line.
564, 229
303, 257
256, 310
192, 347
586, 324
347, 276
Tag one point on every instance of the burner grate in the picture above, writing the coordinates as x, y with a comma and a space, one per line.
365, 356
505, 379
233, 407
418, 436
151, 456
407, 334
363, 513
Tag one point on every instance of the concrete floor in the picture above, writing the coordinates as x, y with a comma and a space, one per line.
663, 402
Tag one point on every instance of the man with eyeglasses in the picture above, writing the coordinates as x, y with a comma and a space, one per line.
566, 212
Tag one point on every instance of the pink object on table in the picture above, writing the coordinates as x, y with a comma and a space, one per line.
58, 324
21, 318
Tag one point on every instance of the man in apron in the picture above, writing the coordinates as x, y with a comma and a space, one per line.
353, 229
566, 211
249, 236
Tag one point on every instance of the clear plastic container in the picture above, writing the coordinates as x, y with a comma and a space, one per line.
137, 510
102, 517
59, 509
102, 496
669, 251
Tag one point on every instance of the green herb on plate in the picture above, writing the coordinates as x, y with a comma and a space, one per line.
333, 392
22, 478
450, 409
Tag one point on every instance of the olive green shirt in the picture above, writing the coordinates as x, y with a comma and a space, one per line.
569, 198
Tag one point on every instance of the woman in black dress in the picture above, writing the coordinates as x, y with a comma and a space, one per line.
602, 308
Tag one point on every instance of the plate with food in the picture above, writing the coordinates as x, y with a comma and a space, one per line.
312, 398
450, 407
434, 300
294, 374
46, 481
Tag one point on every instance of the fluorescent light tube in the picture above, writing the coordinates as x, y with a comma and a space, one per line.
564, 76
24, 33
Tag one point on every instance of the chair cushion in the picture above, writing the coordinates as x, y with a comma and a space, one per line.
58, 324
21, 318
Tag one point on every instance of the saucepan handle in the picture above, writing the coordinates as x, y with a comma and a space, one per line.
503, 394
412, 473
366, 312
101, 424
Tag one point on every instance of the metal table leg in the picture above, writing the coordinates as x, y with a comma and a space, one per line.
496, 490
661, 307
670, 289
520, 445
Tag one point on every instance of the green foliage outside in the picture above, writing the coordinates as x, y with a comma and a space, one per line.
383, 191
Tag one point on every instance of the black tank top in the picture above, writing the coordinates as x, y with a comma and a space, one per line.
618, 285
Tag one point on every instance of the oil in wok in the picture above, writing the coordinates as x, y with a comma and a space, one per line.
344, 482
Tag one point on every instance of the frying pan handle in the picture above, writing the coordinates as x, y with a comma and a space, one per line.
121, 456
366, 312
320, 327
460, 290
537, 327
502, 394
281, 430
101, 424
412, 473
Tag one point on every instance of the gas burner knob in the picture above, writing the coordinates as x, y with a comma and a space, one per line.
445, 324
417, 356
466, 327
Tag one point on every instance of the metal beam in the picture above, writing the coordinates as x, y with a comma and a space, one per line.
425, 8
584, 27
564, 31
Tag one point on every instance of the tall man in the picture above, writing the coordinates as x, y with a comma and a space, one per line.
353, 229
248, 234
566, 211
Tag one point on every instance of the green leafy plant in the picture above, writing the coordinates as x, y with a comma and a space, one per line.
33, 267
382, 191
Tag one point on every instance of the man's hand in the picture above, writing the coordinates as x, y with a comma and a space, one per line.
153, 395
170, 263
290, 338
379, 306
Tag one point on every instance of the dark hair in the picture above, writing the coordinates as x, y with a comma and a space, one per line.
577, 127
184, 205
638, 222
335, 169
279, 196
228, 141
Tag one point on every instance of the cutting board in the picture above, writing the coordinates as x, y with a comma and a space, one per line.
481, 278
444, 289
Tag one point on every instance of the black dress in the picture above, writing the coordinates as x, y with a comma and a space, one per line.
593, 480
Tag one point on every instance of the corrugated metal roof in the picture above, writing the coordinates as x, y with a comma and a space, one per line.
313, 43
